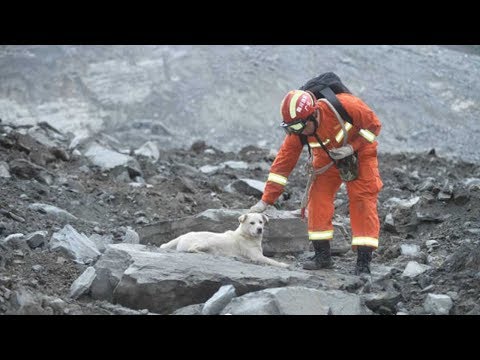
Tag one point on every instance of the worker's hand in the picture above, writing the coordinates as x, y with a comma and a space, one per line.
259, 207
341, 152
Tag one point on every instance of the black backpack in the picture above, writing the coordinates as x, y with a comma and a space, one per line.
326, 85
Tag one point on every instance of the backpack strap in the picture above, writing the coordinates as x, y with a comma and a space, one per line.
324, 148
332, 98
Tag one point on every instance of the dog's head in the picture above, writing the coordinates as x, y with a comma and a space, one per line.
252, 224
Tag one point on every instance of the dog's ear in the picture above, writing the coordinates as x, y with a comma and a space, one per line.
265, 218
242, 218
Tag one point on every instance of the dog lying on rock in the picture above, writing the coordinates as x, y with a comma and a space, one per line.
245, 241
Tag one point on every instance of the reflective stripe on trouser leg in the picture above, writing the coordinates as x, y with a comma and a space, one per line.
363, 194
365, 241
320, 205
320, 235
279, 179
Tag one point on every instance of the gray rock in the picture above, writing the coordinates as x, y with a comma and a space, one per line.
36, 239
427, 288
25, 169
465, 257
37, 268
471, 183
53, 212
74, 245
121, 310
386, 299
413, 269
435, 261
131, 236
438, 304
379, 272
24, 302
425, 217
7, 293
217, 302
4, 173
124, 177
57, 304
248, 187
453, 295
461, 196
209, 169
82, 284
431, 244
109, 269
5, 281
475, 310
15, 241
389, 223
129, 274
195, 309
101, 241
60, 153
256, 303
77, 141
442, 196
410, 250
108, 159
296, 300
473, 231
238, 165
186, 185
427, 185
395, 202
149, 150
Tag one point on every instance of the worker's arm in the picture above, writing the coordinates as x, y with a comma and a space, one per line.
281, 168
365, 121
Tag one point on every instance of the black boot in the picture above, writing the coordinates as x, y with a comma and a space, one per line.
322, 258
364, 256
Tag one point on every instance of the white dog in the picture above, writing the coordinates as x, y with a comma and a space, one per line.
245, 241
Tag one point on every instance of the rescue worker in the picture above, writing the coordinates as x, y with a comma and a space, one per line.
303, 114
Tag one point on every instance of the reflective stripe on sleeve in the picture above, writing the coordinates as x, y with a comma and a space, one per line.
364, 241
279, 179
367, 135
317, 144
320, 235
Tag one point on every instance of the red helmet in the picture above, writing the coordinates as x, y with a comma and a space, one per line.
297, 105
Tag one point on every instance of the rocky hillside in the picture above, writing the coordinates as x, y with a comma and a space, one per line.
108, 151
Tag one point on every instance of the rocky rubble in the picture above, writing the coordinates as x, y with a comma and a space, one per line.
81, 221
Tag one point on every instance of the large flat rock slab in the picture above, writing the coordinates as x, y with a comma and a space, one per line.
142, 277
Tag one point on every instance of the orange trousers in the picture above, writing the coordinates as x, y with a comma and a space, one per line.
362, 194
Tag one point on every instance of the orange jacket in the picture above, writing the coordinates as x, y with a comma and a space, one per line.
361, 136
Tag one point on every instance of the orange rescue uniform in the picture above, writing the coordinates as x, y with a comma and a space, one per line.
362, 192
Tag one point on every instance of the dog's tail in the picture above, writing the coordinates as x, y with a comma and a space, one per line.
170, 245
